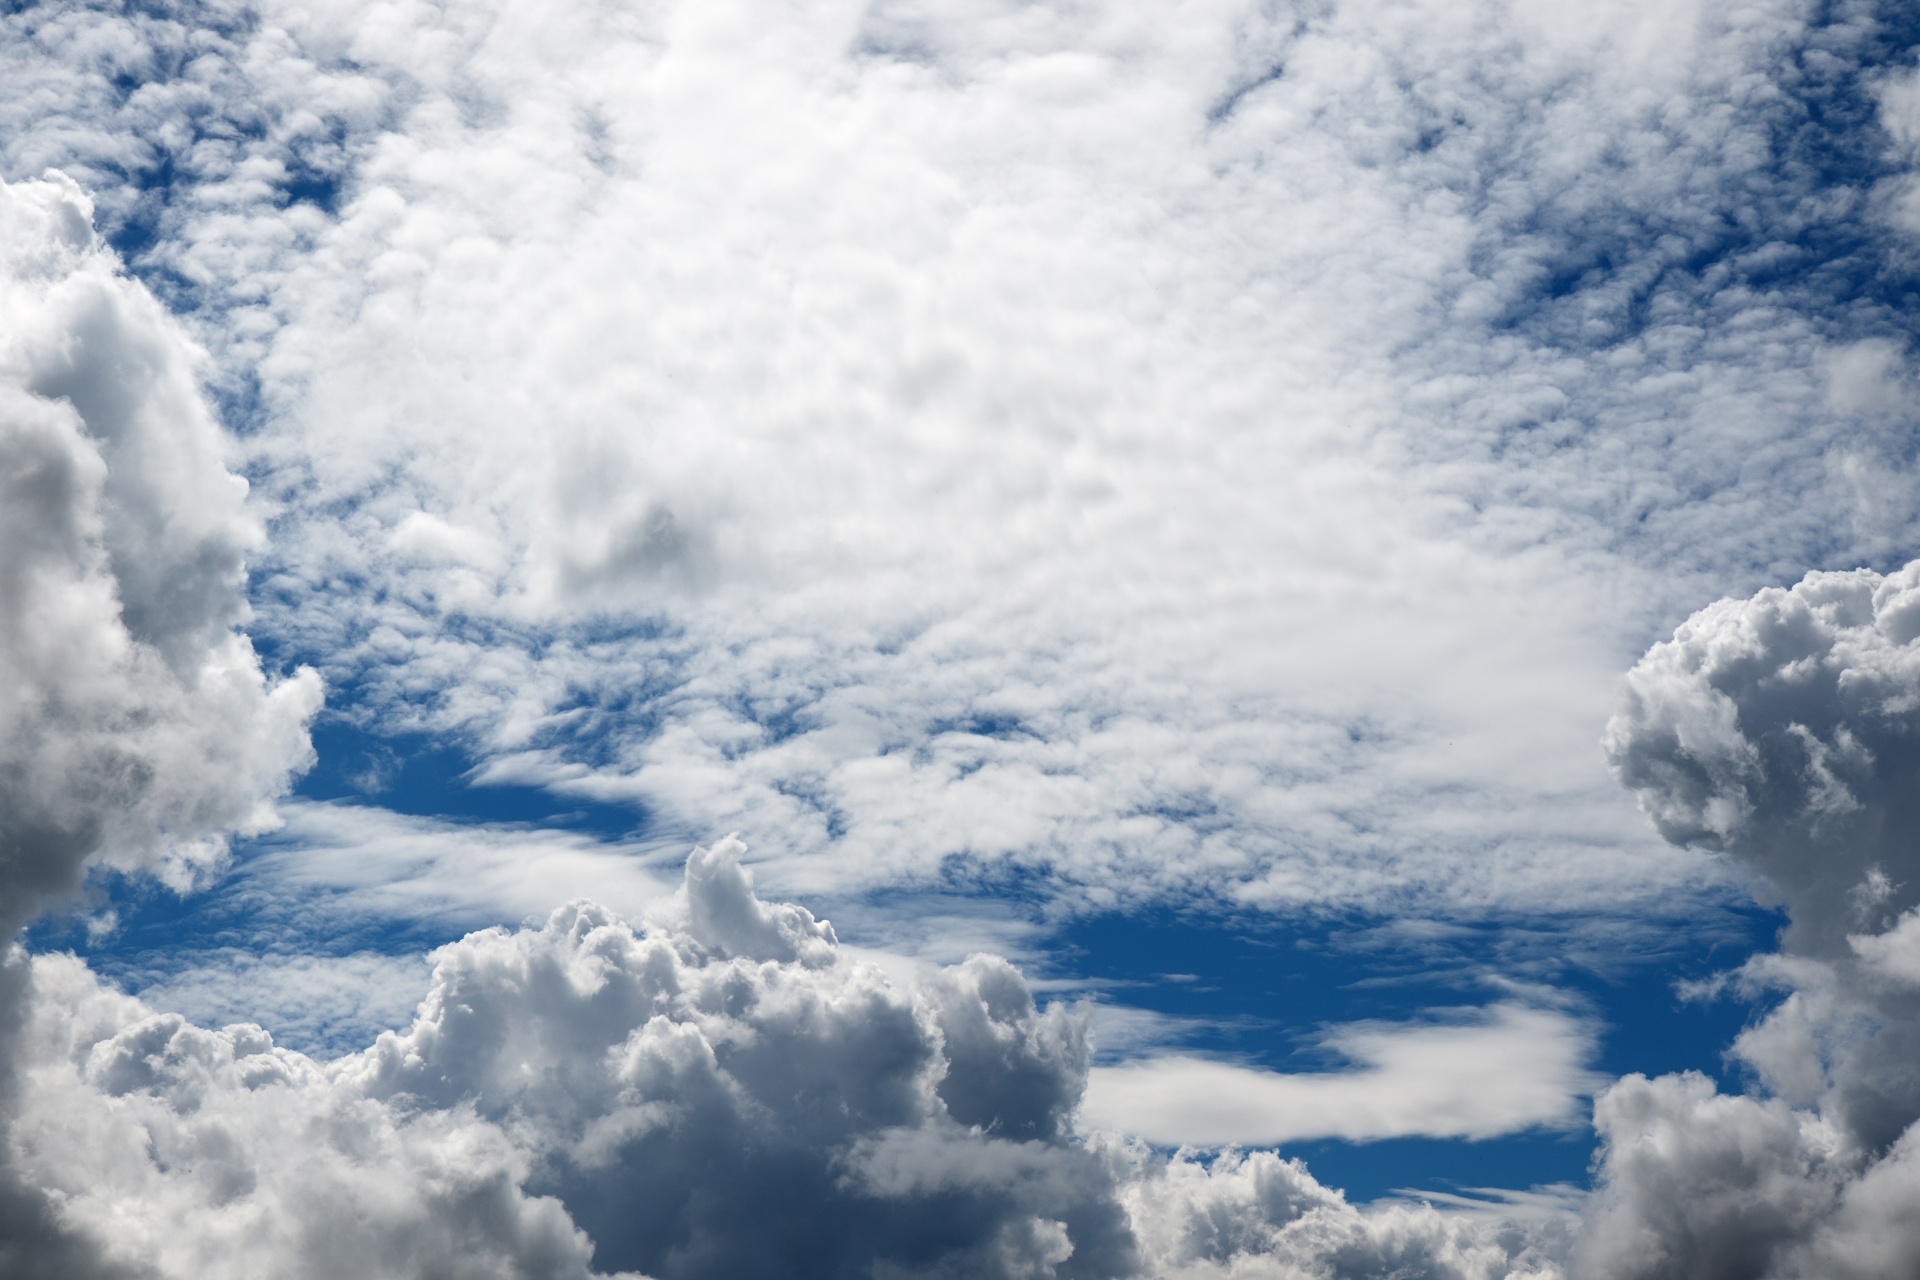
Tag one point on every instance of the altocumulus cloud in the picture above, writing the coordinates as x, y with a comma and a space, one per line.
1215, 447
753, 413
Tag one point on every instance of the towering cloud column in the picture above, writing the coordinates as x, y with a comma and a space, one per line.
137, 729
1783, 732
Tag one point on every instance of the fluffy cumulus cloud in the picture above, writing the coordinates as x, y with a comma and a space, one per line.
137, 730
724, 1092
1783, 732
135, 722
1255, 1216
1214, 450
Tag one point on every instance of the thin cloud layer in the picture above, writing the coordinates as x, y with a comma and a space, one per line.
1509, 1068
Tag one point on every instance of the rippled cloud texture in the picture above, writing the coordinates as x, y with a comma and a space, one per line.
1009, 462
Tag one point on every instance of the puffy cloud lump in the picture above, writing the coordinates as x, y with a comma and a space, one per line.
135, 723
1783, 732
723, 1092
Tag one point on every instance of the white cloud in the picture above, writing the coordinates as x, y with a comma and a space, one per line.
1697, 1183
1894, 954
137, 729
339, 865
315, 932
1256, 1216
667, 1086
1220, 449
212, 1153
135, 726
577, 1096
1508, 1068
1779, 731
320, 1004
1191, 490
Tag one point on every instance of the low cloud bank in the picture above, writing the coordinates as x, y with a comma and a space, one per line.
1500, 1070
722, 1093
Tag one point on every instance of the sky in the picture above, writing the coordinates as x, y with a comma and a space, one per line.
1015, 639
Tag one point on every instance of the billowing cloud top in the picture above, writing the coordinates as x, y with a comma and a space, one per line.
135, 723
725, 1093
1784, 731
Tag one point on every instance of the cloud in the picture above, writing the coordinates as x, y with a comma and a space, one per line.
665, 1086
184, 1151
1255, 1214
580, 1097
1508, 1068
1247, 484
334, 866
321, 1004
741, 1069
1218, 451
137, 726
137, 729
1702, 1184
316, 930
1779, 732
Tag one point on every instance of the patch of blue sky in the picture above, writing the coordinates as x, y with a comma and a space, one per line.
423, 775
1791, 223
325, 967
1262, 991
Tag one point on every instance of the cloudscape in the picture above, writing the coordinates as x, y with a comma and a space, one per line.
1225, 639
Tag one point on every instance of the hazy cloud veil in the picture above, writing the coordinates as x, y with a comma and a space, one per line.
1218, 456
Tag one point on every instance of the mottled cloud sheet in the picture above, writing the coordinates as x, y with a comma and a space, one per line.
1007, 462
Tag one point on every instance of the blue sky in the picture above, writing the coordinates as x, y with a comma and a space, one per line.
1236, 984
1322, 582
1233, 983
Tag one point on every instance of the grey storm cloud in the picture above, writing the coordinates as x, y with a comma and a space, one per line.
1782, 732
